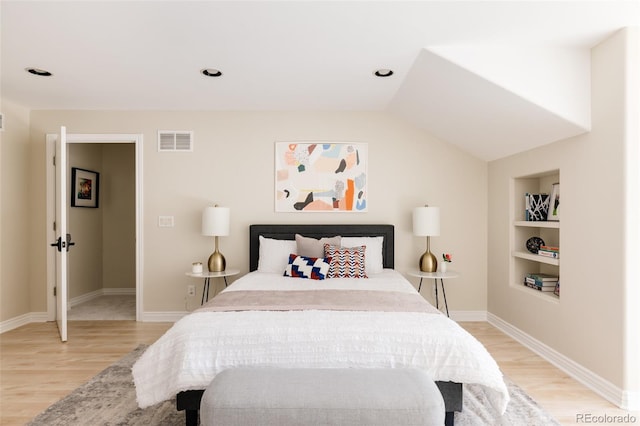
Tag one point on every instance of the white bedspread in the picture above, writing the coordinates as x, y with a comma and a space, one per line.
203, 344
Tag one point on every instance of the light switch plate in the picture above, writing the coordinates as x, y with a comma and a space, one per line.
165, 221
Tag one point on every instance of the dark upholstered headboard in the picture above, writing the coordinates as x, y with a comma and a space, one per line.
288, 232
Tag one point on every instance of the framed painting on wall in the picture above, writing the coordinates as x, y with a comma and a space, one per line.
84, 188
321, 177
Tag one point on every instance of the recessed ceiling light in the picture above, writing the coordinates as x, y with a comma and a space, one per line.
38, 71
211, 72
383, 72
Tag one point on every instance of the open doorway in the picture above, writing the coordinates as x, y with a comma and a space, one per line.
102, 264
113, 230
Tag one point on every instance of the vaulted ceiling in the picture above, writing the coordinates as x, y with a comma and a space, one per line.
493, 77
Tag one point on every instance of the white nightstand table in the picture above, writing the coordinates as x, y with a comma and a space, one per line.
435, 276
207, 280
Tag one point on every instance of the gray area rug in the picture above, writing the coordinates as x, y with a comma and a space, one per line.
109, 399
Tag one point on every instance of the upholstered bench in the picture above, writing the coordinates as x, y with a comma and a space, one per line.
283, 397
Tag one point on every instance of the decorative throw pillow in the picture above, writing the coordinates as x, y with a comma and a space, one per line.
346, 262
373, 253
315, 268
310, 247
274, 254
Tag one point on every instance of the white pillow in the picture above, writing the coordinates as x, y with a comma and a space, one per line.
373, 252
274, 254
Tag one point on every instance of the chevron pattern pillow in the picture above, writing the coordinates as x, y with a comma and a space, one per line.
315, 268
346, 262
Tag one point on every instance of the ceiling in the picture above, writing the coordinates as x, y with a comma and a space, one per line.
455, 71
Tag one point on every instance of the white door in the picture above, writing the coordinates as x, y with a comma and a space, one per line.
61, 243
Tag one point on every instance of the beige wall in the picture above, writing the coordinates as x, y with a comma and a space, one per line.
232, 164
85, 226
632, 231
587, 324
118, 197
16, 258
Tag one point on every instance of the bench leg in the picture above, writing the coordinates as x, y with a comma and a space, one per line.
191, 417
448, 418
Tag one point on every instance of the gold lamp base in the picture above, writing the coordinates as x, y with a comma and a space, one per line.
428, 262
216, 263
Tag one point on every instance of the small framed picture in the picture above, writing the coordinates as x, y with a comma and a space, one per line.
554, 203
84, 188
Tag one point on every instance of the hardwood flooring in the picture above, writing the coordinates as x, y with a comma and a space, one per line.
570, 402
36, 369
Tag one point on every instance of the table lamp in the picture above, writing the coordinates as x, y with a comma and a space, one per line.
215, 223
426, 223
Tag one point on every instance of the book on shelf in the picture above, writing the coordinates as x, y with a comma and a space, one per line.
538, 276
540, 288
556, 291
537, 283
550, 248
549, 253
536, 206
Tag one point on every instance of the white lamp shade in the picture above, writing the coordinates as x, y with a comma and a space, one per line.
215, 221
426, 221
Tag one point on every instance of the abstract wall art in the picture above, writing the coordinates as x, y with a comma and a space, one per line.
321, 177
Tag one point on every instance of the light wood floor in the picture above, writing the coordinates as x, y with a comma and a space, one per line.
36, 369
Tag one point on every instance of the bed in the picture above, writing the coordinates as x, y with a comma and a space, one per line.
250, 323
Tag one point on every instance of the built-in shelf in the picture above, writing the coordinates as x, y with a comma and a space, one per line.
524, 262
544, 295
536, 258
538, 224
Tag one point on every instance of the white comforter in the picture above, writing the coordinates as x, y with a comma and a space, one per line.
202, 344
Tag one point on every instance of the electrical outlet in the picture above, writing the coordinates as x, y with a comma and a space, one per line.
191, 290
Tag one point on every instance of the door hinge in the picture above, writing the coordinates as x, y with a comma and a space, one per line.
54, 225
54, 160
55, 291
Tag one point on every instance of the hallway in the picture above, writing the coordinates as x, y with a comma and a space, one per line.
110, 307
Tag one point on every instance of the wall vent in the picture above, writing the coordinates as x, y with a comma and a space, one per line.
175, 140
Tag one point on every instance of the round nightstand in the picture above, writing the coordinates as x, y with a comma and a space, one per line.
207, 279
435, 276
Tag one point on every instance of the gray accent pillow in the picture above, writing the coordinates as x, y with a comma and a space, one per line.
311, 247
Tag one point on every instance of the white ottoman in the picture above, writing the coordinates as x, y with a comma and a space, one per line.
283, 397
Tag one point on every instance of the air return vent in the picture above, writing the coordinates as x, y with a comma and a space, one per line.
172, 140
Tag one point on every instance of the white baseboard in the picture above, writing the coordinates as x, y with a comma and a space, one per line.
101, 292
462, 316
21, 320
623, 399
84, 298
126, 291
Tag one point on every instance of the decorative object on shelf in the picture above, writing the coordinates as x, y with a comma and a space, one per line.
321, 177
536, 206
84, 188
446, 258
426, 223
554, 203
196, 268
533, 244
215, 223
